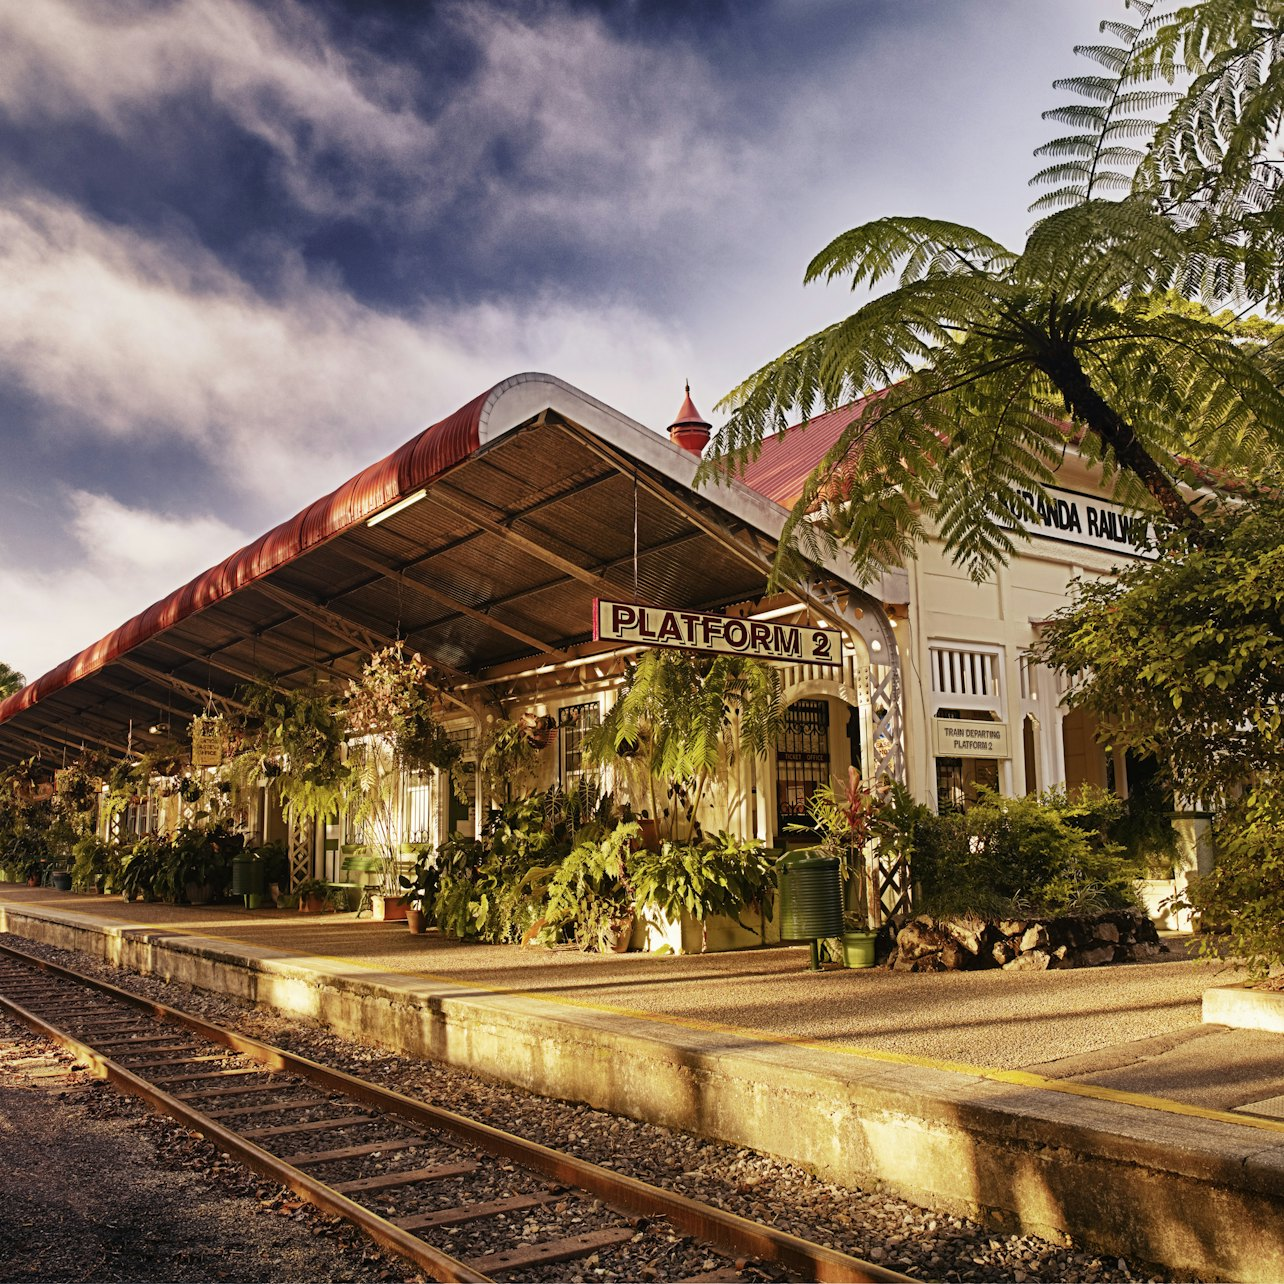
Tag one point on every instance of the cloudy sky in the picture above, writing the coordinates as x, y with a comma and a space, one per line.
247, 248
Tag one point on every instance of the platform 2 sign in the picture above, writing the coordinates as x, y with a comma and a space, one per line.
727, 635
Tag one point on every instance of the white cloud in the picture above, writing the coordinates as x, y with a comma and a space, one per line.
586, 117
124, 560
148, 342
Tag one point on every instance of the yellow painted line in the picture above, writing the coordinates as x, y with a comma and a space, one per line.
995, 1074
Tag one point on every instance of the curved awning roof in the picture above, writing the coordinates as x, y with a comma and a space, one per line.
524, 505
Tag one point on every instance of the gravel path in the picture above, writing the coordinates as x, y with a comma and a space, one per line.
867, 1224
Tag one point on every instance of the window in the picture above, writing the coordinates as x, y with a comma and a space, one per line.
802, 761
419, 808
574, 722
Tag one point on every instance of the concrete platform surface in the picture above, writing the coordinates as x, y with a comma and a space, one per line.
1092, 1102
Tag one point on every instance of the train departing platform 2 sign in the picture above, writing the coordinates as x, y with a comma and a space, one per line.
696, 631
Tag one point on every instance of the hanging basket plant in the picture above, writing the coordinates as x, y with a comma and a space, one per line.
390, 713
539, 729
293, 739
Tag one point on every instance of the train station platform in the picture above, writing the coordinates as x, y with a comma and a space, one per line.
1095, 1103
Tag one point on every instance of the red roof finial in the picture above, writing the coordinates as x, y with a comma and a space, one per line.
690, 429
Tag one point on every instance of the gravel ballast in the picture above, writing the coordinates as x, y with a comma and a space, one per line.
866, 1224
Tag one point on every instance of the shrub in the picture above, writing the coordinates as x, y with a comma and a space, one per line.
1043, 855
721, 875
1244, 892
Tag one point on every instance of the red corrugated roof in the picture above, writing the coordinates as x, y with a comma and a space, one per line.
789, 458
425, 457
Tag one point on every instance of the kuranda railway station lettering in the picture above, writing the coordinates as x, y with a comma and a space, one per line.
766, 640
1073, 518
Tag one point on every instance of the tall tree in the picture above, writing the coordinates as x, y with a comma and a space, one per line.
10, 680
961, 376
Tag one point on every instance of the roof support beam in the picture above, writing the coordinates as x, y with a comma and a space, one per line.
741, 542
474, 511
200, 698
362, 638
358, 636
223, 666
356, 553
81, 741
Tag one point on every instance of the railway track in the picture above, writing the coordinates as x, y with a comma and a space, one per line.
429, 1184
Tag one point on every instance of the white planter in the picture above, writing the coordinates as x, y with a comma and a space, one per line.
657, 933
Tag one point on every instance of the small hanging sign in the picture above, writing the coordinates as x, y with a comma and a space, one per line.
727, 635
207, 742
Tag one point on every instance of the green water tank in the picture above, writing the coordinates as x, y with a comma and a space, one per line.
811, 896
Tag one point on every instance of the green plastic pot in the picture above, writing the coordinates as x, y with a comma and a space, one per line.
858, 948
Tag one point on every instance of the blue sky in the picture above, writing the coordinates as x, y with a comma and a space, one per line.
247, 248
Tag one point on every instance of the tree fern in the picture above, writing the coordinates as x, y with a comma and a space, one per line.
960, 375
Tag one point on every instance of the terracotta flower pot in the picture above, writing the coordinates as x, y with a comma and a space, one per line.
416, 920
388, 909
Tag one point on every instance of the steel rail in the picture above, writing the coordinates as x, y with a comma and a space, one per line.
383, 1232
735, 1235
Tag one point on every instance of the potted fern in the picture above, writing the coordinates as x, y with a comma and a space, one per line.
678, 727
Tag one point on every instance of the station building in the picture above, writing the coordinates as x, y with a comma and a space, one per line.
488, 542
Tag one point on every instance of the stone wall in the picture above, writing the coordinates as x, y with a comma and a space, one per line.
959, 944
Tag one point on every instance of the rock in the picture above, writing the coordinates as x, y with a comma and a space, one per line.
970, 933
1095, 956
1107, 932
1031, 961
928, 963
1012, 926
1003, 952
1035, 938
1145, 930
919, 938
1145, 950
954, 958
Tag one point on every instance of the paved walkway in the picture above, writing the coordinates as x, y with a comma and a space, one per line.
1134, 1028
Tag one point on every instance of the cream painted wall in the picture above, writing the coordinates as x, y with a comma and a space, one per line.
946, 606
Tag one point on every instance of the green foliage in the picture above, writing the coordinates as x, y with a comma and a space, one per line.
1007, 857
295, 738
10, 680
423, 882
588, 897
959, 376
1183, 658
721, 875
1244, 892
393, 703
680, 721
25, 822
276, 862
203, 856
847, 817
508, 760
390, 711
95, 864
144, 868
530, 876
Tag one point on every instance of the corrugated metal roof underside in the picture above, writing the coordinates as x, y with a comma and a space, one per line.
500, 560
